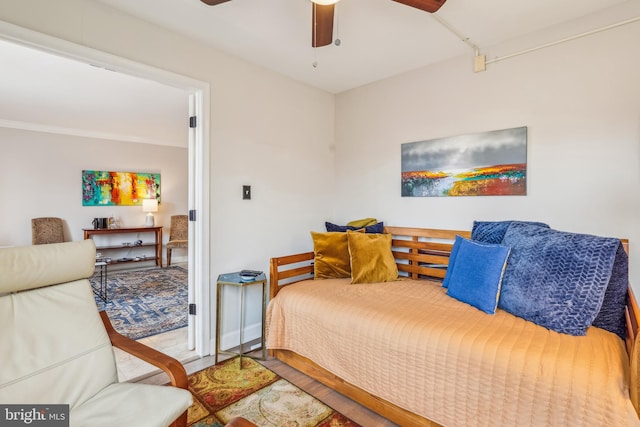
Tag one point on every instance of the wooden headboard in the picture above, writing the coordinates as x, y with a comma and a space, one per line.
423, 253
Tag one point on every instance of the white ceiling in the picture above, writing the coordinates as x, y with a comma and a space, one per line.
380, 38
44, 92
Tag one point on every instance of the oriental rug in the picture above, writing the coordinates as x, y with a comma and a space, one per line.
224, 391
146, 302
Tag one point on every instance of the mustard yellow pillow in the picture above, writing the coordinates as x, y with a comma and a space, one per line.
362, 223
331, 255
371, 258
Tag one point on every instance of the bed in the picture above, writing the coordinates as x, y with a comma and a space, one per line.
413, 354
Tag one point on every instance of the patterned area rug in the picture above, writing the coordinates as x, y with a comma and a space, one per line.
147, 302
224, 391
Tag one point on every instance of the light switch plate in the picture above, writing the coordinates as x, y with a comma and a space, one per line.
246, 192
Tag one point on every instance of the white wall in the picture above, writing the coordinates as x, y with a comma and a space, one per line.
580, 102
267, 131
41, 175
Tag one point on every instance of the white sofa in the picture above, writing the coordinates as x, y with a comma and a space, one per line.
55, 348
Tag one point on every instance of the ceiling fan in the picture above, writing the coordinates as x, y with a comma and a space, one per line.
322, 17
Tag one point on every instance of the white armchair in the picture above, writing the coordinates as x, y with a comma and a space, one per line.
55, 348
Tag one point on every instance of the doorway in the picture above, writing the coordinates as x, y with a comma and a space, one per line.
198, 153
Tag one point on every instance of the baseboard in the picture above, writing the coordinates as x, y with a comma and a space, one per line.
231, 339
177, 259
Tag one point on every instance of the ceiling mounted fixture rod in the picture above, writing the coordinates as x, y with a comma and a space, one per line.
479, 61
566, 39
457, 33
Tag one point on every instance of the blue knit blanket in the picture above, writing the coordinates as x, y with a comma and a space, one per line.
563, 281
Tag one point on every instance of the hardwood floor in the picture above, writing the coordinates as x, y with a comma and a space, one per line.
172, 343
337, 401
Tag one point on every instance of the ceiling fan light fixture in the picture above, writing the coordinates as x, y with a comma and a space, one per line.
325, 2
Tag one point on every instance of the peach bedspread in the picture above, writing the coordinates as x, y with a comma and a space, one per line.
411, 344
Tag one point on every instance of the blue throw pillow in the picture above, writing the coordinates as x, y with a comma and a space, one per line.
333, 228
452, 260
556, 279
477, 273
376, 228
493, 231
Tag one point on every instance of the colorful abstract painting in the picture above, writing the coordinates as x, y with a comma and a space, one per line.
485, 164
102, 188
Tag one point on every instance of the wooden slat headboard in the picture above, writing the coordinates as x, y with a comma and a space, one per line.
423, 252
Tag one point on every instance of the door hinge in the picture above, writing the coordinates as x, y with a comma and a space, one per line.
193, 121
192, 309
192, 215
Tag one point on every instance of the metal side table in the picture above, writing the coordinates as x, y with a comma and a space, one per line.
234, 279
101, 290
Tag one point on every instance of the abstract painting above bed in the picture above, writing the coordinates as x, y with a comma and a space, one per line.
490, 163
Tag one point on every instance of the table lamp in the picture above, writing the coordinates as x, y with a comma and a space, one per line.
150, 206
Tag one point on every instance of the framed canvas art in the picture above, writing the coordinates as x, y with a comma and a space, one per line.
490, 163
103, 188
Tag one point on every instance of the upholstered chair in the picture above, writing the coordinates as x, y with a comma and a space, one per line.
46, 230
178, 235
56, 348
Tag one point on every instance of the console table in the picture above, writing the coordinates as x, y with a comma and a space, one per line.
157, 233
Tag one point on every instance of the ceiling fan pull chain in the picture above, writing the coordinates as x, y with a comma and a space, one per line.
314, 64
337, 15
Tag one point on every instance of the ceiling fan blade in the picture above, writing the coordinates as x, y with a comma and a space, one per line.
214, 2
430, 6
322, 25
